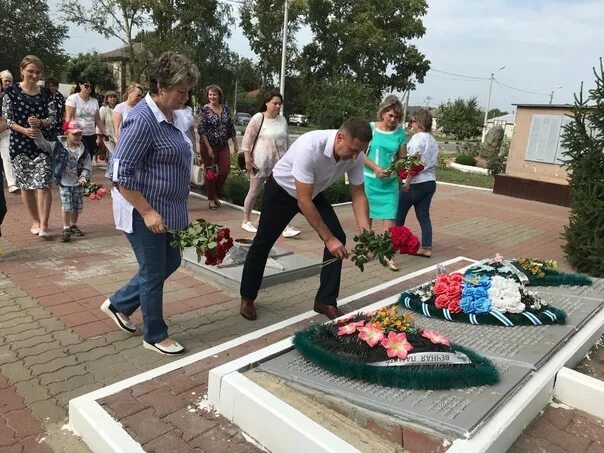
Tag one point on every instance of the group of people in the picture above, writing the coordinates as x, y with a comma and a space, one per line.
46, 139
154, 133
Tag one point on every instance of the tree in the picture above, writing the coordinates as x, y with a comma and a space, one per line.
494, 113
583, 139
262, 24
198, 30
113, 18
462, 118
367, 40
26, 28
332, 101
92, 67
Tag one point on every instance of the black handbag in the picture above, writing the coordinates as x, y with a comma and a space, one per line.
241, 155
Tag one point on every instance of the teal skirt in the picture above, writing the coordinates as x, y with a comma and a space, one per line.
382, 195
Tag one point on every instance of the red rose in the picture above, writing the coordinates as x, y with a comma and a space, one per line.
453, 292
443, 278
442, 301
453, 306
440, 288
223, 233
456, 277
402, 174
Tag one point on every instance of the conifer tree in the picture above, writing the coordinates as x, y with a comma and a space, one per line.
583, 139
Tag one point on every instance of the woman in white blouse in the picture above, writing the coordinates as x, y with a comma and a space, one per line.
265, 141
417, 191
134, 93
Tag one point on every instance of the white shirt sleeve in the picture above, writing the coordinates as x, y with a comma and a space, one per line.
355, 174
303, 167
71, 100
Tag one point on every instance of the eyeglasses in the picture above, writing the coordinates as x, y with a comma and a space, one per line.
413, 121
87, 85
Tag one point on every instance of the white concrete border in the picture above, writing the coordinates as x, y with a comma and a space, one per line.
485, 189
500, 432
104, 434
580, 391
469, 168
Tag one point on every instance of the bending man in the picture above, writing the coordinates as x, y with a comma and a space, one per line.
314, 162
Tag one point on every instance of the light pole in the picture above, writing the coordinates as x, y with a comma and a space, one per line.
551, 95
486, 113
283, 54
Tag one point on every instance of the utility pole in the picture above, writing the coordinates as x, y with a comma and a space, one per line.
406, 104
283, 54
235, 99
486, 112
551, 96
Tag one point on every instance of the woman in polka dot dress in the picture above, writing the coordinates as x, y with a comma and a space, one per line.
26, 107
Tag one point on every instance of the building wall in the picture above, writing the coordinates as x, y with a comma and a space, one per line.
517, 165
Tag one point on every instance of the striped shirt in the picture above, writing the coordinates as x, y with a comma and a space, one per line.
153, 157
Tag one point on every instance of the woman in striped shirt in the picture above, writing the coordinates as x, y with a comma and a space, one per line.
151, 167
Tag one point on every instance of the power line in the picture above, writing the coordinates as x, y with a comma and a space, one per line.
522, 91
460, 75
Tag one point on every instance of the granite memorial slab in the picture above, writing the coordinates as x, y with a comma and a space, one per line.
579, 310
594, 291
458, 412
282, 266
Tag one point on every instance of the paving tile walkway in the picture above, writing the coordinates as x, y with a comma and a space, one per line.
55, 344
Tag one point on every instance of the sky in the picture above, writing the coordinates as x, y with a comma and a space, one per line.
545, 46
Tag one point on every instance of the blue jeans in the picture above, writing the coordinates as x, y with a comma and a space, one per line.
420, 197
157, 260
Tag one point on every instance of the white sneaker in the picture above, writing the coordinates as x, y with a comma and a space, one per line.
174, 349
13, 189
249, 227
290, 232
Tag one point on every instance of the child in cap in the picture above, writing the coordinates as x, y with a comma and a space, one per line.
71, 170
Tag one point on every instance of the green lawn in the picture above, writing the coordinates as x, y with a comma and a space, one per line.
467, 179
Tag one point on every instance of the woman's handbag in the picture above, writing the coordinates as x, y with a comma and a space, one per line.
241, 155
197, 175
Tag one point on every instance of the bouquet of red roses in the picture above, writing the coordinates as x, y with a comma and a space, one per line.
210, 241
408, 165
211, 173
94, 191
383, 246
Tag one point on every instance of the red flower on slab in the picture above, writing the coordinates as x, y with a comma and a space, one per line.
435, 337
396, 345
372, 334
403, 240
351, 328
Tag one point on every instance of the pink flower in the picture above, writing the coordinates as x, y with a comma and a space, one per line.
497, 258
440, 288
397, 345
101, 192
372, 334
435, 337
351, 328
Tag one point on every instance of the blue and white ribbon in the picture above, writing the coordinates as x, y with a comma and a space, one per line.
532, 318
447, 314
551, 315
472, 318
426, 310
502, 318
407, 302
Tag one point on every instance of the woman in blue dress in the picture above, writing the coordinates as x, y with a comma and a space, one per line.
388, 145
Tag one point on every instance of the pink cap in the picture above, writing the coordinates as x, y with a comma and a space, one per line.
72, 126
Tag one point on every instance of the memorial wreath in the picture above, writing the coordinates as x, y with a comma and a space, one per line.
493, 292
386, 347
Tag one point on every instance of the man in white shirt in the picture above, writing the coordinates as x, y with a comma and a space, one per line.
312, 163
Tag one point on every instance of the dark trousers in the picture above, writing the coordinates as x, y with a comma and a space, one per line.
3, 209
89, 142
420, 197
278, 209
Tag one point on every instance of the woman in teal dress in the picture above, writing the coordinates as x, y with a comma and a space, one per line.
388, 145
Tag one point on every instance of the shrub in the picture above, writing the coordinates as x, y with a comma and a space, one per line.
469, 149
338, 192
236, 187
464, 159
496, 165
443, 162
583, 139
